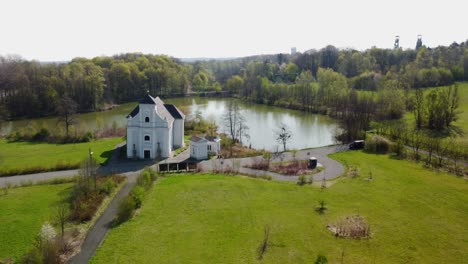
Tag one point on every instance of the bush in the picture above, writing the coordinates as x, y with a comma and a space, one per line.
107, 187
377, 144
42, 135
144, 179
301, 180
87, 137
126, 209
138, 194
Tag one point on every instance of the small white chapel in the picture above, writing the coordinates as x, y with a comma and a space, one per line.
154, 129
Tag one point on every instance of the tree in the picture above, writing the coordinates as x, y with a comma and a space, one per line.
234, 123
66, 110
88, 170
418, 108
465, 65
61, 216
283, 135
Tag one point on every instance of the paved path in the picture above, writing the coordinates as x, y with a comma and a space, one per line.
98, 232
332, 168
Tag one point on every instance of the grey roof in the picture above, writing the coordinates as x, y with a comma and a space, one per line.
212, 139
196, 139
174, 111
162, 110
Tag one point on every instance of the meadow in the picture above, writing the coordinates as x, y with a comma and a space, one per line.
415, 216
24, 157
22, 212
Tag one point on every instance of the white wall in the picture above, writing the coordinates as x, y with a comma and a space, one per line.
199, 150
215, 146
178, 132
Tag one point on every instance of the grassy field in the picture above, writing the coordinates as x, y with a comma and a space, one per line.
22, 213
24, 155
415, 215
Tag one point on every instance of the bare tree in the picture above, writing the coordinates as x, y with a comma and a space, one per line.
88, 170
234, 124
231, 119
283, 135
61, 216
243, 129
66, 109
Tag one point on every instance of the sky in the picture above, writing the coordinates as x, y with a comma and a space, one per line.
59, 30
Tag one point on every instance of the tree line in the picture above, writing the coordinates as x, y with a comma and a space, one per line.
374, 84
33, 89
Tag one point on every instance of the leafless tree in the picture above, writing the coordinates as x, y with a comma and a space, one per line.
61, 216
283, 135
234, 124
66, 109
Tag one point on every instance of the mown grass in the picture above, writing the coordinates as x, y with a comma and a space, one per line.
22, 213
18, 157
415, 216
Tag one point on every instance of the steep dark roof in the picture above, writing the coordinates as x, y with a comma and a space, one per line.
147, 99
176, 114
167, 111
134, 112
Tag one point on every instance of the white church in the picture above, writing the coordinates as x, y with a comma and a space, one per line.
154, 129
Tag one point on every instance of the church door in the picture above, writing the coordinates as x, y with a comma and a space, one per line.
147, 154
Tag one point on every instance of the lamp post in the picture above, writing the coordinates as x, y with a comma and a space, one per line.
91, 167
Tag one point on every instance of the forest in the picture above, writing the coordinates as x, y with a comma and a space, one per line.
356, 87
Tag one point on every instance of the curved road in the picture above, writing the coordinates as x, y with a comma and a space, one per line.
332, 168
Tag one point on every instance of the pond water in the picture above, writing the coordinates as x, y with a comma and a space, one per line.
309, 130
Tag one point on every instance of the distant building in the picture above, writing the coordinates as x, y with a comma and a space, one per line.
293, 50
201, 147
154, 129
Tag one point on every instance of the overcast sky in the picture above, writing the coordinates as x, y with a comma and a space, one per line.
59, 30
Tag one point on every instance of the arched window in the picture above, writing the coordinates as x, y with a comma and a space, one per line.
147, 138
146, 119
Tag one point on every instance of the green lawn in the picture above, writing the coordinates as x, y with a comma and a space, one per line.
416, 216
22, 213
23, 155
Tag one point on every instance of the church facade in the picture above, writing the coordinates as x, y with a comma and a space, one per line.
154, 129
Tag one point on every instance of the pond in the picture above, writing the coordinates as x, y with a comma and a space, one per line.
309, 130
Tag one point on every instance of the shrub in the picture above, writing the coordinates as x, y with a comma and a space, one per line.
42, 135
377, 144
137, 194
87, 137
301, 180
321, 259
125, 210
107, 187
144, 179
353, 171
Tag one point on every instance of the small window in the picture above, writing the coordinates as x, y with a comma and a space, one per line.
146, 119
147, 138
209, 147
